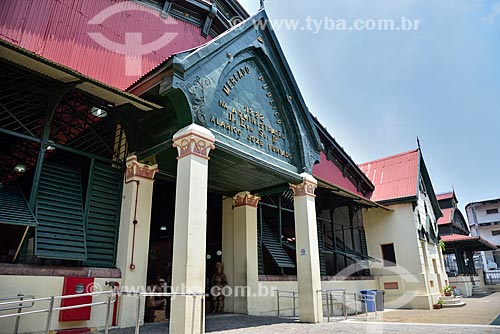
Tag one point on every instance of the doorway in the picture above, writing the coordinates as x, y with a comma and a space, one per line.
159, 276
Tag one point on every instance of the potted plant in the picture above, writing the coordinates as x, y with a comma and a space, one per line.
438, 305
448, 290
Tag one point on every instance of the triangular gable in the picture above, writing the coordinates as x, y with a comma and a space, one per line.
424, 175
240, 86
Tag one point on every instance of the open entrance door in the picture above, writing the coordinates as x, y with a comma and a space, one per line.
159, 276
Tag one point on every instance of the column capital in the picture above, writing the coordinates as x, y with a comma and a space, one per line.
245, 198
194, 139
306, 188
137, 169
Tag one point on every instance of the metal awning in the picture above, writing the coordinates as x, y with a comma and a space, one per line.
465, 242
64, 74
349, 194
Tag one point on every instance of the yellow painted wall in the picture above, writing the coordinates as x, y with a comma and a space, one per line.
415, 268
46, 286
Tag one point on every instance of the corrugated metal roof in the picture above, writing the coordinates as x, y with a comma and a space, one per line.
448, 195
59, 31
349, 194
447, 216
453, 238
328, 171
393, 177
36, 63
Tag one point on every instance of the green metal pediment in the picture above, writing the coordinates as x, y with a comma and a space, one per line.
240, 87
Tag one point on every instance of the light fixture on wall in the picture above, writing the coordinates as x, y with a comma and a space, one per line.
98, 112
20, 168
219, 253
163, 228
209, 256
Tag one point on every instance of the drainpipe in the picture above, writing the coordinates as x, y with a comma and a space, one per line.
132, 265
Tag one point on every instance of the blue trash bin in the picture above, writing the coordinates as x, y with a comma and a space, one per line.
368, 298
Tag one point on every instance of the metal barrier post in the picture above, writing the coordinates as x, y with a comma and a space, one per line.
278, 297
202, 313
344, 304
138, 314
330, 295
49, 315
327, 305
108, 311
366, 304
18, 318
293, 299
355, 303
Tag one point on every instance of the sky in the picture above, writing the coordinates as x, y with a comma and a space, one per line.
377, 90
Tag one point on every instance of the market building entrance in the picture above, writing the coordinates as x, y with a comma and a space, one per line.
236, 125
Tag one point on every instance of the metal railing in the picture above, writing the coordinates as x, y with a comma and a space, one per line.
287, 295
366, 299
19, 304
111, 296
167, 294
334, 297
50, 310
492, 277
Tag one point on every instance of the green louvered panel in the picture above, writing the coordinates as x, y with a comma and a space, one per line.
278, 254
321, 242
13, 207
103, 214
59, 211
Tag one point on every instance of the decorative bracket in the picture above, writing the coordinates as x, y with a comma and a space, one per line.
208, 22
306, 188
137, 169
195, 140
245, 198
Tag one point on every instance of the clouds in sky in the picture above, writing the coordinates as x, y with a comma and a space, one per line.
492, 16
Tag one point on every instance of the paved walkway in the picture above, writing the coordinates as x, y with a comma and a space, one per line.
471, 319
478, 311
242, 324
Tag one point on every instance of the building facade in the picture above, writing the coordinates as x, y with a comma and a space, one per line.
484, 221
460, 247
126, 165
407, 239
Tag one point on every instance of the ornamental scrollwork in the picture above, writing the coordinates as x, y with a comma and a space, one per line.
197, 91
245, 199
304, 188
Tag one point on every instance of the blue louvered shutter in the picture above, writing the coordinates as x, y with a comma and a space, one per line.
102, 214
59, 210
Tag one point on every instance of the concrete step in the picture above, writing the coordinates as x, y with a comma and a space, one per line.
482, 293
452, 301
452, 297
454, 305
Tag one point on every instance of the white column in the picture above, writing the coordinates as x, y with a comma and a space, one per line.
133, 238
245, 257
228, 249
190, 224
308, 270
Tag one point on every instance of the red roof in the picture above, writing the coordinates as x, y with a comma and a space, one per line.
91, 37
446, 219
393, 177
459, 237
449, 195
328, 171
